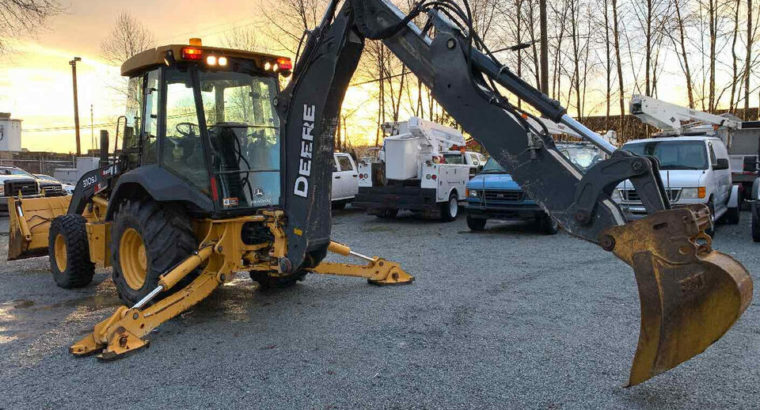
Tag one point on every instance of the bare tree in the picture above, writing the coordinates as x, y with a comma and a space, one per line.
748, 59
127, 38
679, 43
616, 36
19, 18
242, 38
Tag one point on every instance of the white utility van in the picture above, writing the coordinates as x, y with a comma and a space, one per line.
694, 170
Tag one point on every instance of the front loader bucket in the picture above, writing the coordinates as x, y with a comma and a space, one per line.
30, 222
690, 294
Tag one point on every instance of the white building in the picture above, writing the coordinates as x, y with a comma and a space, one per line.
10, 133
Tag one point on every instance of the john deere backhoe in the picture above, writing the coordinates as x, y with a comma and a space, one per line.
222, 172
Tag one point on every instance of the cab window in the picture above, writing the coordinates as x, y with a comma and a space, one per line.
345, 163
150, 119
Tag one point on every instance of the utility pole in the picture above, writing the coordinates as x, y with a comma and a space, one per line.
92, 129
544, 46
73, 64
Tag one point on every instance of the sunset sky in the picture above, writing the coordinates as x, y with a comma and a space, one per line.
35, 79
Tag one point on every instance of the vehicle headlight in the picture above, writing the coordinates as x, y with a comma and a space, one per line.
693, 193
473, 193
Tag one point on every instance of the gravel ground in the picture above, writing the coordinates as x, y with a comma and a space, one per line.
504, 318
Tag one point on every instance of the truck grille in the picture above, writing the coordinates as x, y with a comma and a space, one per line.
52, 189
503, 195
12, 188
632, 196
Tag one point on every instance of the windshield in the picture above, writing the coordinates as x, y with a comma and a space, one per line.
492, 167
454, 158
673, 154
582, 156
15, 171
243, 129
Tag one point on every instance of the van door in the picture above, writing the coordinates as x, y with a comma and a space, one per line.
722, 176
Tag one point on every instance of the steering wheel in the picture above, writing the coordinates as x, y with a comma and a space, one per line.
186, 128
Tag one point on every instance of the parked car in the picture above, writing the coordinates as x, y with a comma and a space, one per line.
345, 184
493, 194
694, 170
14, 181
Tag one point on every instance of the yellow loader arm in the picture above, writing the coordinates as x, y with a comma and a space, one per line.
30, 222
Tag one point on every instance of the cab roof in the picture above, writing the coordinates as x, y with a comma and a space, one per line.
156, 56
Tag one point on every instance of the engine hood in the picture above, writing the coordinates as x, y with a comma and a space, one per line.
677, 178
493, 181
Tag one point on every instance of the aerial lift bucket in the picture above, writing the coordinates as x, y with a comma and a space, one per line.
30, 222
690, 294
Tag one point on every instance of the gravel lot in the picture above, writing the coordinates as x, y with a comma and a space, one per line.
505, 318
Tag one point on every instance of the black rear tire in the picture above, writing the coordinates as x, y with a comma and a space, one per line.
450, 208
476, 224
167, 236
70, 263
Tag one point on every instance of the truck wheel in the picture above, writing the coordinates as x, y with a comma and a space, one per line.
148, 240
450, 209
755, 222
387, 213
732, 215
69, 252
267, 282
547, 224
711, 231
476, 224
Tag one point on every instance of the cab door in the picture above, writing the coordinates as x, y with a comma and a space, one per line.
722, 176
345, 177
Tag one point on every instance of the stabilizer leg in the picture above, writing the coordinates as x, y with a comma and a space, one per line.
378, 271
123, 332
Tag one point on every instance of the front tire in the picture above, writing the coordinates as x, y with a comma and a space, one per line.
732, 216
476, 224
755, 222
147, 240
450, 209
69, 252
547, 224
711, 206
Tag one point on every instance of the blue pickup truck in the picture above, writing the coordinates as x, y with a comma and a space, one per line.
493, 194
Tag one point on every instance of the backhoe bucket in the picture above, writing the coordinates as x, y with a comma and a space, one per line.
30, 222
690, 294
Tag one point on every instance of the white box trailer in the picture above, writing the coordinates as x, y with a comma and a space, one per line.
417, 170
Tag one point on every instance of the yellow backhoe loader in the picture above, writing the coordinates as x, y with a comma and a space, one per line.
220, 171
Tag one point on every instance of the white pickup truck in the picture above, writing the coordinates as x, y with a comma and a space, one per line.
345, 182
694, 170
417, 170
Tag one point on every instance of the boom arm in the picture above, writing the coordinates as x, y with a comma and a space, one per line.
682, 281
670, 117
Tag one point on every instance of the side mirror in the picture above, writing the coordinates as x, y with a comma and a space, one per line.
720, 164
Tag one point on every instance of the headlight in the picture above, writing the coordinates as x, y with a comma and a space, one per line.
473, 193
693, 193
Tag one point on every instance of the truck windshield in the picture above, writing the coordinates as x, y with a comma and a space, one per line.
454, 158
493, 167
673, 154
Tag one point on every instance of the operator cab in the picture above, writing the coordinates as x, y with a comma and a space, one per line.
208, 116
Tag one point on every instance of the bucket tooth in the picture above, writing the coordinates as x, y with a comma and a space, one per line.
690, 294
